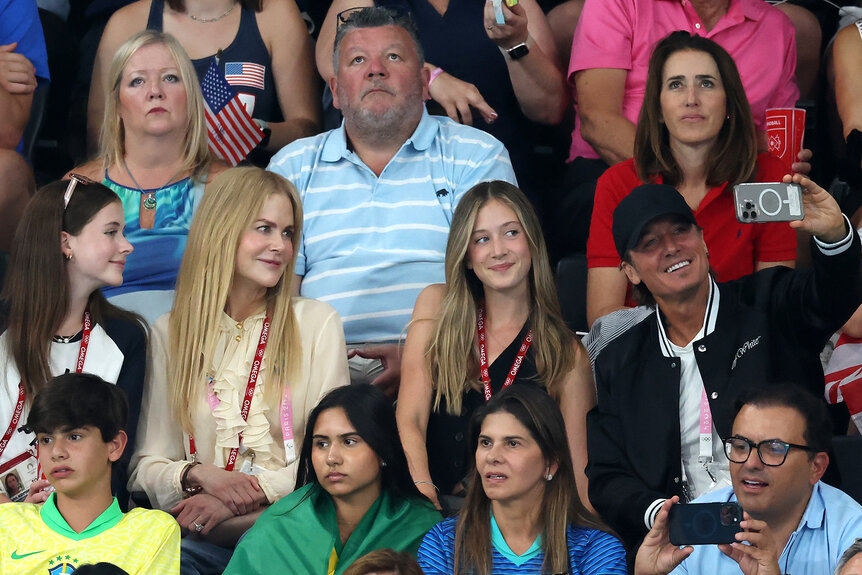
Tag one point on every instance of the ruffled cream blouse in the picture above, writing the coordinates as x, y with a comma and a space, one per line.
162, 449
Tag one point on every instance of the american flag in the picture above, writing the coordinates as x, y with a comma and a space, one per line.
232, 132
244, 74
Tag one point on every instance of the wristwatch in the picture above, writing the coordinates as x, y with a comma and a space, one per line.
518, 52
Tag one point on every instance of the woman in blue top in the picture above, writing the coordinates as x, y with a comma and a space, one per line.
154, 155
522, 513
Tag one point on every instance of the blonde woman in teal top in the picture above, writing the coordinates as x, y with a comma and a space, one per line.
154, 155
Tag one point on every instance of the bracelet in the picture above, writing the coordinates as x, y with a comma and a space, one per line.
427, 482
189, 491
434, 73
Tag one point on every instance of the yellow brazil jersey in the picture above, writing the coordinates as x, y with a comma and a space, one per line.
35, 539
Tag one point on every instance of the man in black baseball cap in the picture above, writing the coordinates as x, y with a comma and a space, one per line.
666, 386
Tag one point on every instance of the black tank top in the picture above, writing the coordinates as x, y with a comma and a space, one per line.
447, 441
240, 62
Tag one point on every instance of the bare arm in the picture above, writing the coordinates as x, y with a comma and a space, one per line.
537, 78
563, 18
847, 55
600, 104
326, 39
290, 48
414, 396
577, 397
606, 292
17, 84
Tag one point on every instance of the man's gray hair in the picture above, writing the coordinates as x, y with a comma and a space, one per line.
851, 552
375, 17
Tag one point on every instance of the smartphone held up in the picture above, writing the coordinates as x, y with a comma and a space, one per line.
704, 523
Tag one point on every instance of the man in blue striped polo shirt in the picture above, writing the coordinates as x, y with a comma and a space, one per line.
378, 192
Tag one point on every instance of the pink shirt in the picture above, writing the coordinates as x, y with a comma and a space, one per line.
622, 34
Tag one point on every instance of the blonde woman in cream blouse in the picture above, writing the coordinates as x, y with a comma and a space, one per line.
198, 455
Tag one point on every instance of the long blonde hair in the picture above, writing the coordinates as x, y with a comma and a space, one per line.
112, 141
451, 355
231, 203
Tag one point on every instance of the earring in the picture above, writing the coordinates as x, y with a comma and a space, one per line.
382, 464
549, 476
69, 257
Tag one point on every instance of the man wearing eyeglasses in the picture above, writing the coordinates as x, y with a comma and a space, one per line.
665, 387
793, 522
378, 192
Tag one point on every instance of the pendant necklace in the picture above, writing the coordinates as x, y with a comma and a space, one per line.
147, 215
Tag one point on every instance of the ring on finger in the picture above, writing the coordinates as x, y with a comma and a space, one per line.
198, 527
491, 27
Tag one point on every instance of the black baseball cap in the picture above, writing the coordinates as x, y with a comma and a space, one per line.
643, 205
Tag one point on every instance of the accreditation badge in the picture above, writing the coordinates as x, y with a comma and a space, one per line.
17, 474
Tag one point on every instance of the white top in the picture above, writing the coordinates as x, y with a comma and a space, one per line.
163, 448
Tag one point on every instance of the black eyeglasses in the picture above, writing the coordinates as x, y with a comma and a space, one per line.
772, 452
74, 180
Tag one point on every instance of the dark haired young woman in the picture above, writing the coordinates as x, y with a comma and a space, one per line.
522, 513
357, 496
68, 245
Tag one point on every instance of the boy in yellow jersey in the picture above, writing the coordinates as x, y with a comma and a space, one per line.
78, 420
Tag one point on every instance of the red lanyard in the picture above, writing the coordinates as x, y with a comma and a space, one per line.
249, 393
85, 342
16, 416
19, 406
483, 356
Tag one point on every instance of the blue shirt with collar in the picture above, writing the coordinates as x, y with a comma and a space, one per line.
371, 243
831, 523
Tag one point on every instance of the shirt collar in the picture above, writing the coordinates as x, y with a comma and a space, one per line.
335, 145
738, 9
500, 544
814, 511
57, 523
709, 319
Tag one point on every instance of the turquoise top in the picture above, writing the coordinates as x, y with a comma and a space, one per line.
155, 262
500, 544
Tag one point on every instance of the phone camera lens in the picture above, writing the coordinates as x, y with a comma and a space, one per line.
748, 205
744, 215
753, 215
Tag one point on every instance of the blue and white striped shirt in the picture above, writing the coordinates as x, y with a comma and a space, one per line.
370, 244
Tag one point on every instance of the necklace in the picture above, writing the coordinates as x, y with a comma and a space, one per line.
64, 338
211, 20
148, 199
